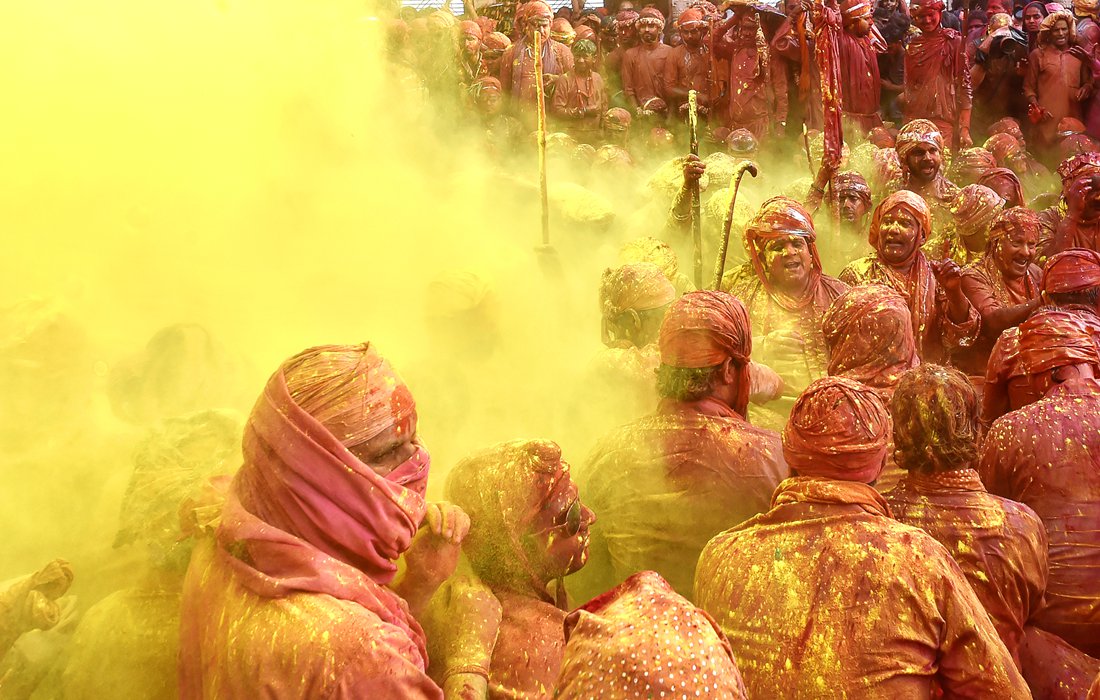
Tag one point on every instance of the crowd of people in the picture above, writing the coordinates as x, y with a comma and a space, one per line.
861, 460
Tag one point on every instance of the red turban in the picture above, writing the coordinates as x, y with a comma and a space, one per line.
703, 329
937, 5
1013, 220
777, 218
651, 13
1003, 146
1001, 176
881, 137
1054, 338
691, 16
850, 181
856, 9
974, 159
1078, 165
638, 287
1006, 125
471, 28
626, 17
1068, 126
917, 132
1076, 144
642, 639
838, 429
497, 41
1073, 270
532, 9
910, 202
869, 334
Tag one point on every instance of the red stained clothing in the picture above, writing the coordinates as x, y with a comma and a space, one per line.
644, 73
528, 650
937, 79
1055, 470
1000, 545
988, 291
642, 640
687, 70
517, 67
1053, 78
786, 57
573, 93
937, 335
662, 486
826, 596
757, 90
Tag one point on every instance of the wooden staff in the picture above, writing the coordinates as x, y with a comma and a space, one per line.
806, 144
739, 172
540, 93
696, 218
961, 62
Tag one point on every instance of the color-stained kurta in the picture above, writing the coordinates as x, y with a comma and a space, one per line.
517, 67
937, 80
988, 291
1053, 78
1047, 456
644, 73
826, 596
572, 93
1000, 545
662, 486
688, 70
757, 92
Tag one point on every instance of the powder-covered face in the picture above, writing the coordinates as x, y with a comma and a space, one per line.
899, 235
924, 161
787, 261
391, 448
852, 206
558, 543
1015, 253
927, 19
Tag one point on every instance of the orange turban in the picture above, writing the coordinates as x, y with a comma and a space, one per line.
1079, 165
467, 27
691, 16
869, 333
975, 208
838, 429
703, 329
910, 202
1003, 146
1054, 338
1073, 270
1014, 220
778, 217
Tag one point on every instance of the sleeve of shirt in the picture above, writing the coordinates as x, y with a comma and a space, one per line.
1031, 76
779, 86
979, 293
957, 335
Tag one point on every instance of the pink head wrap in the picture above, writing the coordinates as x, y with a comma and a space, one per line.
995, 176
1079, 165
471, 28
703, 329
1073, 270
638, 287
838, 429
869, 334
916, 132
1003, 146
643, 640
298, 475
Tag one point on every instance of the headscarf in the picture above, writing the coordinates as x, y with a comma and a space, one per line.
975, 208
562, 31
917, 132
856, 9
1003, 146
998, 21
1086, 7
300, 477
1073, 270
584, 47
689, 17
1003, 175
1068, 126
642, 639
869, 335
651, 13
880, 137
1054, 338
838, 429
503, 489
585, 32
974, 159
533, 9
1076, 144
1010, 221
851, 181
780, 217
647, 249
910, 202
497, 41
468, 27
616, 119
703, 329
626, 17
1007, 125
1082, 164
1050, 20
637, 287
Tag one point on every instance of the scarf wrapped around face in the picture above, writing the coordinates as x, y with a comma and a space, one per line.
838, 429
913, 277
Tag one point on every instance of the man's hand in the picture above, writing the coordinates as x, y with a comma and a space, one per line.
693, 169
434, 554
948, 274
964, 138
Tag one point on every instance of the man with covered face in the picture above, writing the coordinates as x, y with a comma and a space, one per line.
943, 318
688, 66
517, 64
920, 147
665, 484
937, 75
644, 65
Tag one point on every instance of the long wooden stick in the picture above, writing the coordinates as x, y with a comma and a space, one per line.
739, 172
696, 217
540, 92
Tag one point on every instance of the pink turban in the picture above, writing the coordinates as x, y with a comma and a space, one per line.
703, 329
838, 429
1073, 270
1078, 165
917, 132
995, 176
1055, 338
910, 202
869, 333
